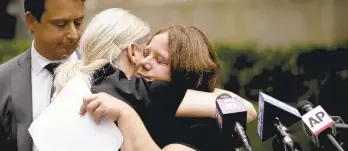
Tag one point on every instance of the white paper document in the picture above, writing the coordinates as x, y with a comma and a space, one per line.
60, 127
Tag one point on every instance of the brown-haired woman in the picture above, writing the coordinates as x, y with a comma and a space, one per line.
183, 54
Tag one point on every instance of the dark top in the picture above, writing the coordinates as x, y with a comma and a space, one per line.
156, 102
201, 134
141, 94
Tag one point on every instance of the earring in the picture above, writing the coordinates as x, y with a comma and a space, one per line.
134, 61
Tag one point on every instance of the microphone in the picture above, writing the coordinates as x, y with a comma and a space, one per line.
231, 117
276, 114
317, 125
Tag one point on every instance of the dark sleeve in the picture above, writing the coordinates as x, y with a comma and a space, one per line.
157, 96
201, 134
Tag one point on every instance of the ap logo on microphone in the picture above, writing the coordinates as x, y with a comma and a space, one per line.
317, 120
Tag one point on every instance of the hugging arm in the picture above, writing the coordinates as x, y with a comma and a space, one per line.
202, 104
166, 98
171, 99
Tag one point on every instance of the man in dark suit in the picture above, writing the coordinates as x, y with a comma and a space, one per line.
26, 80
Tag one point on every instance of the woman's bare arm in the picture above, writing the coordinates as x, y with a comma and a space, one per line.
202, 104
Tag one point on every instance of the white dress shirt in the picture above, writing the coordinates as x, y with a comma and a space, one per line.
41, 81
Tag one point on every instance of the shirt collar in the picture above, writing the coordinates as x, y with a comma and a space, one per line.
39, 62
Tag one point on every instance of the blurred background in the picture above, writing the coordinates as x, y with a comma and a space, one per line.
289, 49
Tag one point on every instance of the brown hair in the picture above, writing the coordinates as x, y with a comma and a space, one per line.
192, 57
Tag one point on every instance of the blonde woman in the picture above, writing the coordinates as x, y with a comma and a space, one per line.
112, 41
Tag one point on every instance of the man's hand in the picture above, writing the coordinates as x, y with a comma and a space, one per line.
103, 104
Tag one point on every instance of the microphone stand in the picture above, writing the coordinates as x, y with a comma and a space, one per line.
243, 137
334, 142
336, 129
342, 128
283, 141
339, 125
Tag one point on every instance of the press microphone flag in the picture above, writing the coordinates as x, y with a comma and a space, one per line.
317, 120
271, 109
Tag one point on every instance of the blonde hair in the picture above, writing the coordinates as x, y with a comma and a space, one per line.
105, 37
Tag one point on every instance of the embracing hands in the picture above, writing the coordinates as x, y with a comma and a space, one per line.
102, 104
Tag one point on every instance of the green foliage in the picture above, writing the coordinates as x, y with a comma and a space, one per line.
264, 58
9, 49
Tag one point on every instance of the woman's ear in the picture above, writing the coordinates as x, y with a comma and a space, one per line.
131, 53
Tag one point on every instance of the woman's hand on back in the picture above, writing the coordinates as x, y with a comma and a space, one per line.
103, 104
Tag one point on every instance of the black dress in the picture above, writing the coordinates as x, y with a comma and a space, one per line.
156, 102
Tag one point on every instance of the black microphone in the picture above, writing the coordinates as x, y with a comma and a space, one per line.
304, 106
231, 117
317, 125
273, 118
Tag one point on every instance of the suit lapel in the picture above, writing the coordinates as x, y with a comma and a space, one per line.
22, 100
